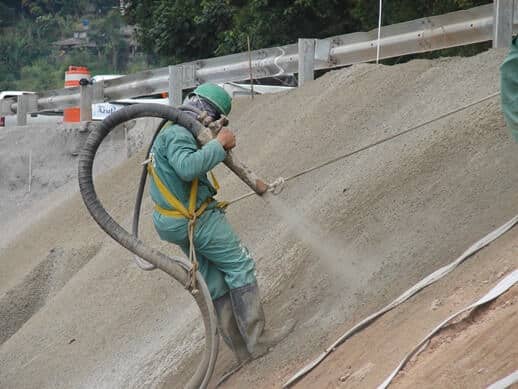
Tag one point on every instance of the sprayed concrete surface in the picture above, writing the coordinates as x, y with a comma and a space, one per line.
332, 247
38, 165
472, 352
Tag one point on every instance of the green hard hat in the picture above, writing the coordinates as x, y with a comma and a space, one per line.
215, 95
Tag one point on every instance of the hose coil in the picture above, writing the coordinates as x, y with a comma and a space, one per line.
176, 267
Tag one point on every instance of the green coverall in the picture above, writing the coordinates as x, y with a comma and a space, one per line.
509, 89
223, 260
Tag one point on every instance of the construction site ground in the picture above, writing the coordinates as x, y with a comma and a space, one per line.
472, 352
334, 246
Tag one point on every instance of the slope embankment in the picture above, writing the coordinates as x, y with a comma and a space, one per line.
38, 165
475, 350
332, 247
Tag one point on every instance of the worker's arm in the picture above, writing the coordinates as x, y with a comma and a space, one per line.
190, 162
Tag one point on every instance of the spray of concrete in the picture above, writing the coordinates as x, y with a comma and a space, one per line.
335, 257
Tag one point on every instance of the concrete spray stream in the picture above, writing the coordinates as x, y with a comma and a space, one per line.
337, 259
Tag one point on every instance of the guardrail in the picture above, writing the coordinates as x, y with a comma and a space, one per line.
479, 24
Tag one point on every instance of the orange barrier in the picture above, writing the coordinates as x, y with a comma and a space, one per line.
72, 77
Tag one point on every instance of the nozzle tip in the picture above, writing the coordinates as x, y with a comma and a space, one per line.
261, 187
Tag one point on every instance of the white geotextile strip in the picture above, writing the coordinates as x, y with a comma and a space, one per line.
430, 279
498, 290
505, 382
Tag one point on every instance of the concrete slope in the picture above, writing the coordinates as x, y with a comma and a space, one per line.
472, 352
334, 245
39, 161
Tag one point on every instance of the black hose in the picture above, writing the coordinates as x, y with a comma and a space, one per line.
176, 267
142, 264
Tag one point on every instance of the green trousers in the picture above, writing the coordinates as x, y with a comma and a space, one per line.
223, 260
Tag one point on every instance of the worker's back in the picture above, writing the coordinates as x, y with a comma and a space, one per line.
168, 157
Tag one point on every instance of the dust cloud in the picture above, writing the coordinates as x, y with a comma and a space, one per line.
334, 255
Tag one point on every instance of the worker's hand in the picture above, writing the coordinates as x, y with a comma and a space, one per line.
227, 138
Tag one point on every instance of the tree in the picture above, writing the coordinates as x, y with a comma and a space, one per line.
76, 8
7, 13
28, 59
180, 30
41, 74
183, 30
272, 23
106, 34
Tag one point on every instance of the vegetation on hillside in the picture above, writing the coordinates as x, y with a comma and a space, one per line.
31, 57
34, 34
183, 30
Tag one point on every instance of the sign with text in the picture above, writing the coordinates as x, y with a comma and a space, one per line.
102, 110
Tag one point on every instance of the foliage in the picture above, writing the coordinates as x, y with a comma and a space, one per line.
279, 22
74, 8
31, 75
28, 28
181, 30
173, 31
106, 33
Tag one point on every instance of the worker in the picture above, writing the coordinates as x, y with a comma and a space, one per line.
509, 88
224, 262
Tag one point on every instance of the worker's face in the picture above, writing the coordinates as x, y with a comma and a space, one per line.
209, 108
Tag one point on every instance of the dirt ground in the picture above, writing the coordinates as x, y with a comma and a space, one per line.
472, 352
334, 246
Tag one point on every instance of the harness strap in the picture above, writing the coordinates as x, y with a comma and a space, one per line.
169, 197
215, 182
177, 214
180, 211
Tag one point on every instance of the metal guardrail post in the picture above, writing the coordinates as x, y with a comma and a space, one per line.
502, 23
5, 107
175, 89
22, 111
306, 60
98, 92
26, 104
85, 102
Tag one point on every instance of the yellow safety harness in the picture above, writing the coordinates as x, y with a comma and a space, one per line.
180, 211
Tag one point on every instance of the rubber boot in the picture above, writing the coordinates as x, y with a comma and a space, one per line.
229, 330
250, 319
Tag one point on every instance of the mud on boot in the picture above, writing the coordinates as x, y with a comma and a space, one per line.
249, 315
229, 330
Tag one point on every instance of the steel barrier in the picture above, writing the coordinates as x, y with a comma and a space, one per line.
417, 36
